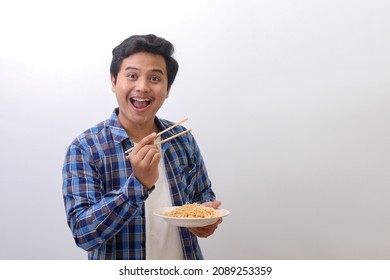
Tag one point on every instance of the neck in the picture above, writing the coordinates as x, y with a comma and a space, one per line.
137, 131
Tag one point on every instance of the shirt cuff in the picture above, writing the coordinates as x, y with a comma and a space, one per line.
151, 189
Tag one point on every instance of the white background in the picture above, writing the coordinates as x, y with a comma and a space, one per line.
289, 102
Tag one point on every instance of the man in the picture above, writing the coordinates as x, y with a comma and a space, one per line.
109, 196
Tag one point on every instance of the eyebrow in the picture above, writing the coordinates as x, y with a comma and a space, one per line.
135, 68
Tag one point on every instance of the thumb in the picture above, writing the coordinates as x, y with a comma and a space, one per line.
213, 204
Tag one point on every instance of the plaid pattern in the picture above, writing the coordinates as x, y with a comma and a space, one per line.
105, 202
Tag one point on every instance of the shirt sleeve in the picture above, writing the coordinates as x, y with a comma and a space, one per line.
93, 215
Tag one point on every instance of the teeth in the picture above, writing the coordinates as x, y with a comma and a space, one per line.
140, 99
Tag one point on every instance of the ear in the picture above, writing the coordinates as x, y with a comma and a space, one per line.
113, 83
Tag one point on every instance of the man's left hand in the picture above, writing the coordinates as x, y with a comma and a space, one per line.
206, 231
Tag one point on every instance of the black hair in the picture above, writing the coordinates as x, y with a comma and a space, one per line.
145, 43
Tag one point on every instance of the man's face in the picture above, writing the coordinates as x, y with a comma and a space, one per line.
141, 88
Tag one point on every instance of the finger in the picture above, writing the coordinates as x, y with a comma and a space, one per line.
204, 231
156, 159
139, 152
199, 232
213, 204
151, 156
138, 156
148, 140
211, 227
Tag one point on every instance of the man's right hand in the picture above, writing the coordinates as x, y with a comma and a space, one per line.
144, 159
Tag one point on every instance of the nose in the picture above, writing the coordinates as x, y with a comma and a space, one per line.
142, 85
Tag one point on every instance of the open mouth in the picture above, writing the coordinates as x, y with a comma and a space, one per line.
140, 103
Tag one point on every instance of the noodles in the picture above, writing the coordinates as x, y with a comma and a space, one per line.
193, 210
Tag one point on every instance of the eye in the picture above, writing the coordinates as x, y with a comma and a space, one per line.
132, 76
155, 79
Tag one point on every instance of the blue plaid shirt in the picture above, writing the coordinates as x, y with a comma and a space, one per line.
104, 201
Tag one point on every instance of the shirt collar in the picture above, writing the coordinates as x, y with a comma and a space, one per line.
118, 132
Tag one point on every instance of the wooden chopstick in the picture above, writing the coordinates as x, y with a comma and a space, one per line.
172, 137
165, 130
169, 128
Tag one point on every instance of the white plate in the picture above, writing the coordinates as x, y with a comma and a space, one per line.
189, 222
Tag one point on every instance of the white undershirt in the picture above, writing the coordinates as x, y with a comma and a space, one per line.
162, 239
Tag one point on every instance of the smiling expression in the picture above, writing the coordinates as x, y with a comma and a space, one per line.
141, 88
